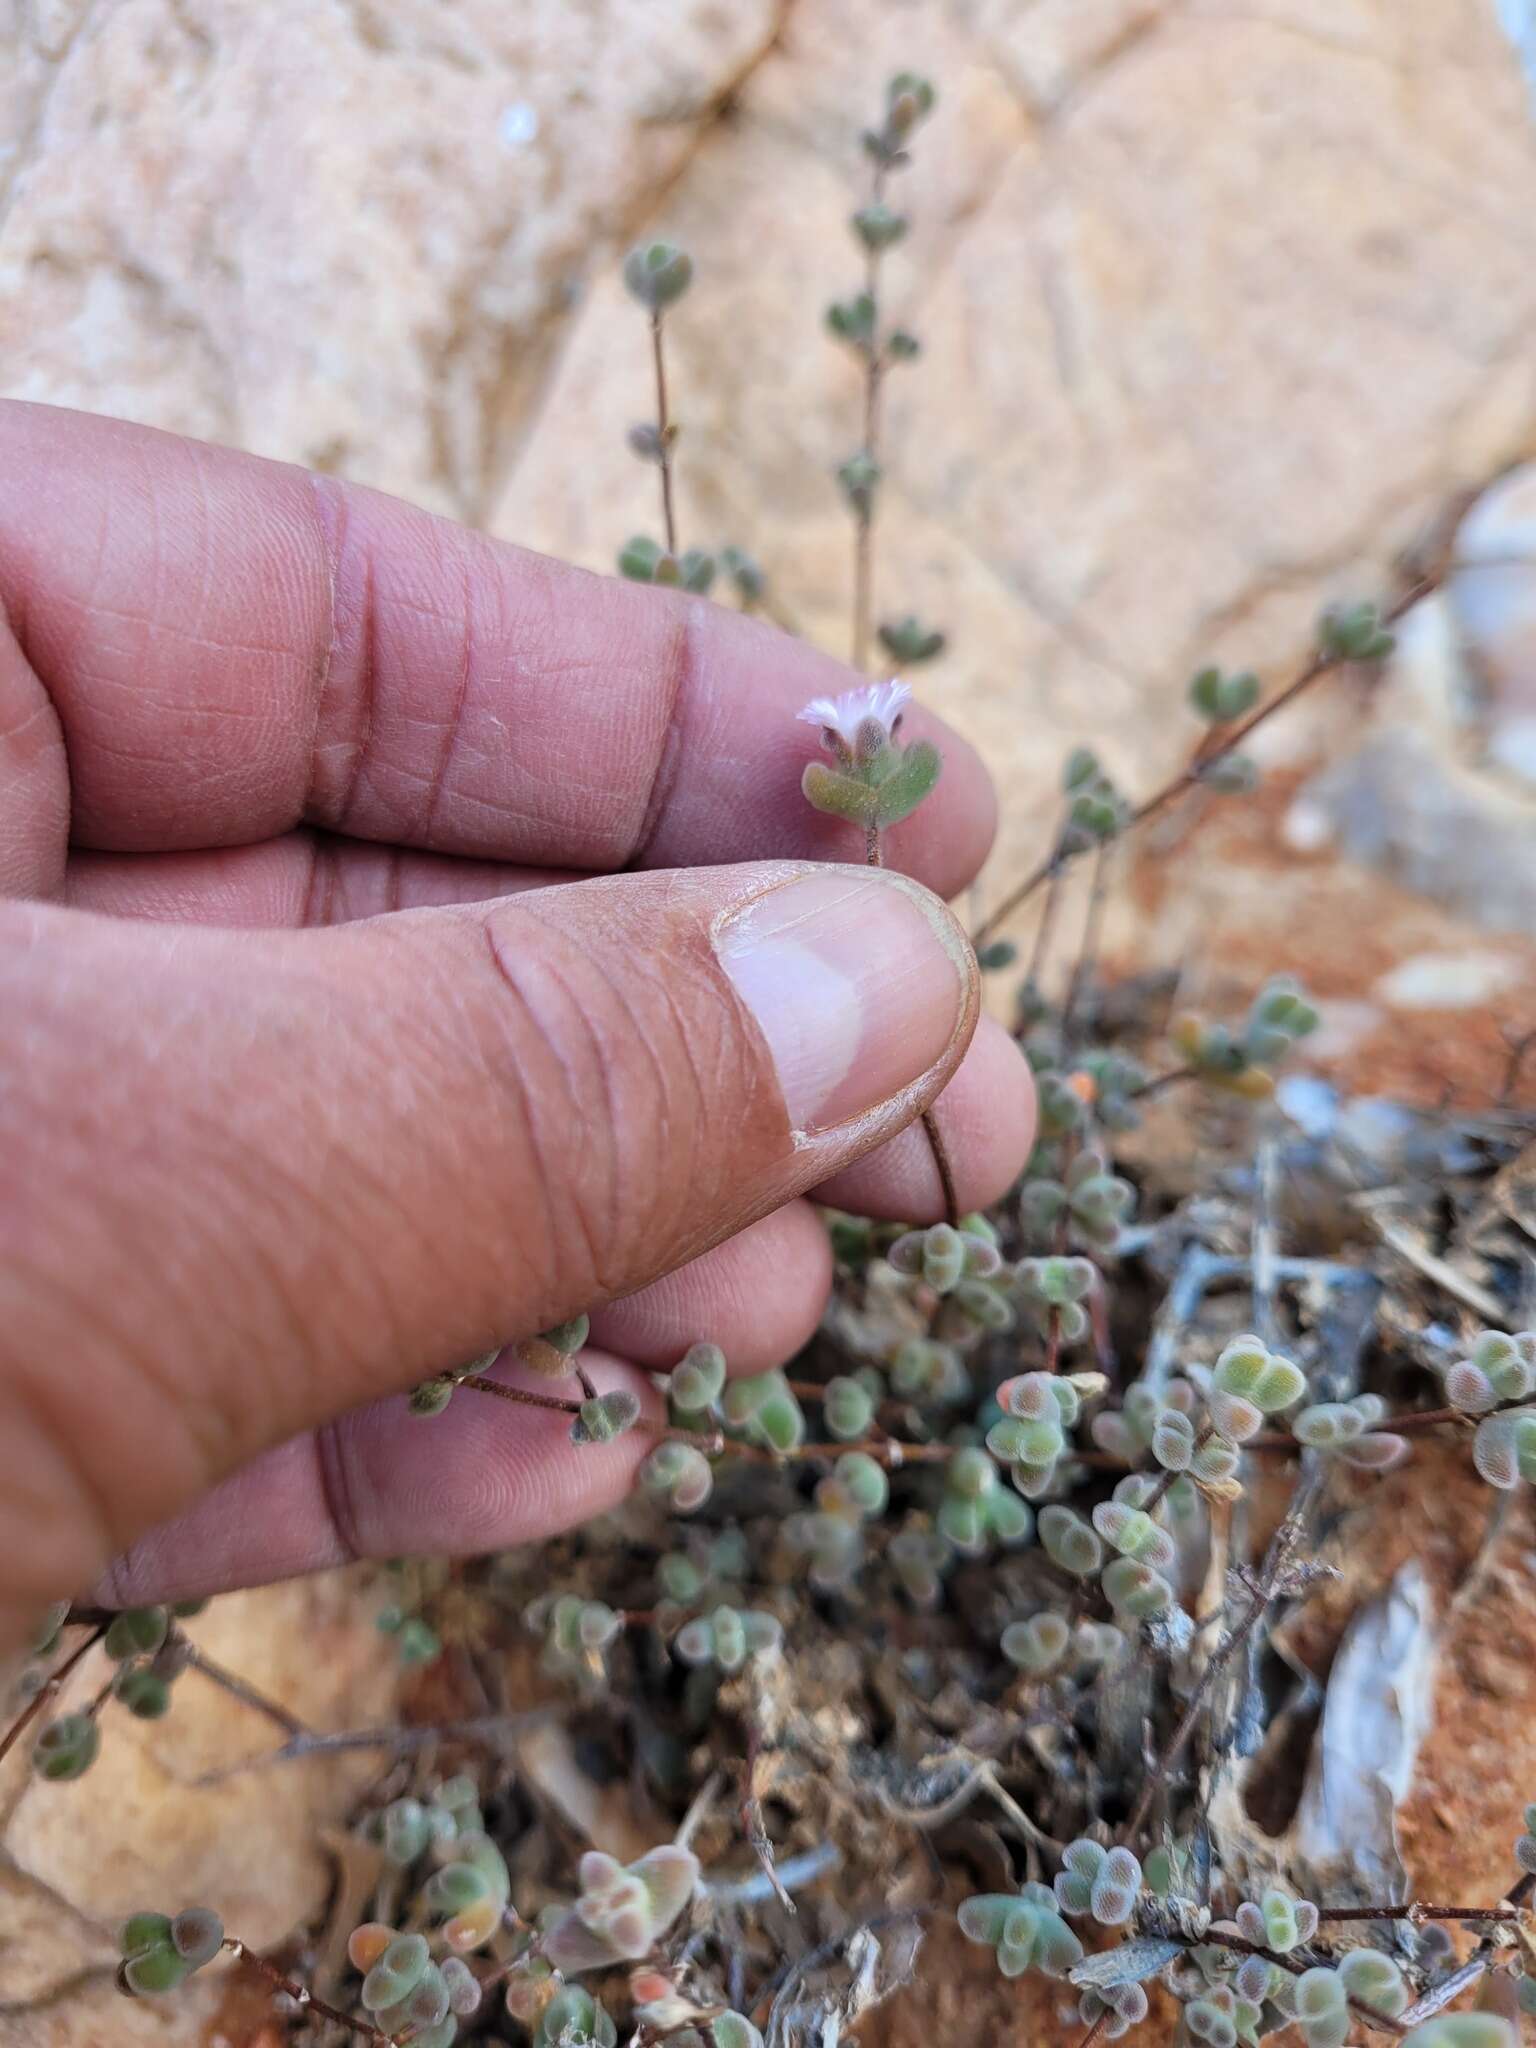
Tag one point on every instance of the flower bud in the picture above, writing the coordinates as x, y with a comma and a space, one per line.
909, 99
656, 274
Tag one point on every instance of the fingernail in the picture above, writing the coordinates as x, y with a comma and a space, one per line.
859, 981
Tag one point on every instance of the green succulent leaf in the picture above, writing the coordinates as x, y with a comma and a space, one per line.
913, 778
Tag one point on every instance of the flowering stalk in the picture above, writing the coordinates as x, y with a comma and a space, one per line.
307, 2000
657, 274
857, 321
877, 782
1355, 635
664, 435
709, 1442
864, 505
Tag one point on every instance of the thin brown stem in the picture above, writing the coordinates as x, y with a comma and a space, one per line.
1297, 1968
398, 1740
864, 515
863, 578
521, 1395
1415, 1912
874, 857
48, 1690
753, 1825
99, 1698
1052, 1360
710, 1442
1059, 1234
1096, 2029
1159, 1082
945, 1165
1206, 755
664, 436
1088, 951
1046, 928
1440, 1995
241, 1689
304, 1997
889, 1451
1048, 870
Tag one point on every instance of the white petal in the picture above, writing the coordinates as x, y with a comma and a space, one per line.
821, 711
844, 714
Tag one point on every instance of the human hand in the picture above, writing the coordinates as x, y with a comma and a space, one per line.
380, 985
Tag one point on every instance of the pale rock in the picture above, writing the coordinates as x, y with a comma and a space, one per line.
1307, 826
1401, 806
1493, 601
1449, 981
345, 234
142, 1830
1411, 789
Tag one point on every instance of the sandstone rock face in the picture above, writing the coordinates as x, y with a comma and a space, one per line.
1217, 298
339, 231
180, 1811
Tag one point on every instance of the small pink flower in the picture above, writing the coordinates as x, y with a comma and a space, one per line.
843, 715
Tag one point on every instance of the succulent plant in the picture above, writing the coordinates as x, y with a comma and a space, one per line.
1100, 1881
160, 1951
1026, 1931
622, 1910
725, 1639
574, 2019
679, 1474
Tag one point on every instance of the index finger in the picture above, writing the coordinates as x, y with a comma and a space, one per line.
233, 647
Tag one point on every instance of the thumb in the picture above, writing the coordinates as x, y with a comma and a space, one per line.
248, 1183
